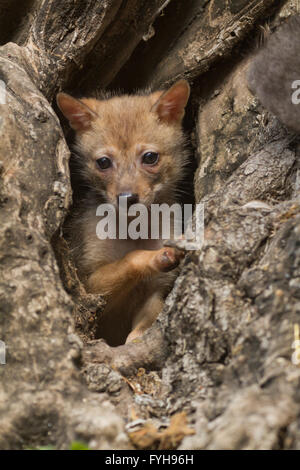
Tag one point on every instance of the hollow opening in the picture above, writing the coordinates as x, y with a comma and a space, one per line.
135, 75
90, 319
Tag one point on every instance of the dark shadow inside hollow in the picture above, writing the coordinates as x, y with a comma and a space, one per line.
164, 32
14, 16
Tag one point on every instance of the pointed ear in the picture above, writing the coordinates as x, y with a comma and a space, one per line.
170, 106
78, 113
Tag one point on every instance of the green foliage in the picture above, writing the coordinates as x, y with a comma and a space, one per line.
75, 445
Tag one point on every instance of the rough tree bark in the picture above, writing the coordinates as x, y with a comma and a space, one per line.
221, 349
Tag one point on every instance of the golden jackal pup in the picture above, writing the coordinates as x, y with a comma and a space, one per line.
130, 147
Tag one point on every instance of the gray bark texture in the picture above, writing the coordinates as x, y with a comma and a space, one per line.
215, 371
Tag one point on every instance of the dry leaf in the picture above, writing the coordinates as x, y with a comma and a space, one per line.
149, 437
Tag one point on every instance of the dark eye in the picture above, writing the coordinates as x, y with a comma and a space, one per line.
104, 163
150, 158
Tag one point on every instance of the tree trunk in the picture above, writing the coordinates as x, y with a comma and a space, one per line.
221, 349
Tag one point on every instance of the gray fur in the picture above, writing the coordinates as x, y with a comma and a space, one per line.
273, 70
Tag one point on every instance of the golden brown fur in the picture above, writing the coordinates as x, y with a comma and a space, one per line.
132, 274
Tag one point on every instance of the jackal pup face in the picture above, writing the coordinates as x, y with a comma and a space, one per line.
131, 145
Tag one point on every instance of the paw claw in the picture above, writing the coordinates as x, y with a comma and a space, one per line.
168, 259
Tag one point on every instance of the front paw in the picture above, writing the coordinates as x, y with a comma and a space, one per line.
168, 259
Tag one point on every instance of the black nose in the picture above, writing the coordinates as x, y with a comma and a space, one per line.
131, 198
